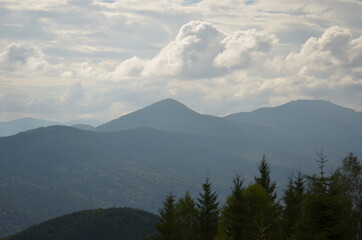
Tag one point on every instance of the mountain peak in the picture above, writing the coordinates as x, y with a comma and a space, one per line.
167, 105
170, 115
166, 113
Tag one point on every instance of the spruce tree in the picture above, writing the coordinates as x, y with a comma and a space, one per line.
233, 216
264, 178
351, 176
187, 218
326, 209
167, 226
258, 213
293, 202
207, 205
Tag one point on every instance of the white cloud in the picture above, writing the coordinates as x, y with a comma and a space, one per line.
16, 56
200, 50
334, 52
130, 67
242, 48
103, 58
190, 55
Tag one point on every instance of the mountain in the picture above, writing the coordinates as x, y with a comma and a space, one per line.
97, 224
305, 126
24, 124
171, 115
19, 125
84, 127
52, 171
47, 172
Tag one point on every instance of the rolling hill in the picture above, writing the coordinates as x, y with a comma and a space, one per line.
23, 124
52, 171
96, 224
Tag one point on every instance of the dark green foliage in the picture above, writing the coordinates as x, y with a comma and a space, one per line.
261, 214
323, 209
187, 218
207, 205
264, 178
97, 224
233, 216
326, 209
293, 203
167, 226
351, 178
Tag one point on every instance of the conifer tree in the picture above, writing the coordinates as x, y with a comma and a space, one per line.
207, 205
293, 202
326, 209
264, 178
187, 218
258, 212
167, 226
233, 216
351, 177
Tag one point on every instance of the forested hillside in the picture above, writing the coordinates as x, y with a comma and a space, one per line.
320, 206
134, 160
97, 224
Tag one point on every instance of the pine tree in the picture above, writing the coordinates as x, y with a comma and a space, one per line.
208, 212
293, 201
351, 177
326, 209
167, 226
187, 218
258, 212
233, 212
264, 178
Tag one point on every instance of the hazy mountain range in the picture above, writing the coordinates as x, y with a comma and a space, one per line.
12, 127
137, 159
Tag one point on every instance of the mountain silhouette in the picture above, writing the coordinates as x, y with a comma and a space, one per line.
134, 160
173, 116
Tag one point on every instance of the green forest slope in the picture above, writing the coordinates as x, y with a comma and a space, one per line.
112, 223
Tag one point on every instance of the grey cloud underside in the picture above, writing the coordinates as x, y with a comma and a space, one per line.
126, 54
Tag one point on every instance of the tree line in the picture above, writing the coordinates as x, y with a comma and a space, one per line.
313, 207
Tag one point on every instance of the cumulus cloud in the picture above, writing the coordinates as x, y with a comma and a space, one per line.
239, 56
130, 67
190, 55
16, 56
244, 47
199, 51
334, 51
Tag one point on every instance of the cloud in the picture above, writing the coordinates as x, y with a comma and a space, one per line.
74, 94
244, 47
190, 55
108, 57
335, 51
16, 56
199, 51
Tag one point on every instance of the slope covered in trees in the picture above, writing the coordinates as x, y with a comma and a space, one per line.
97, 224
313, 207
52, 171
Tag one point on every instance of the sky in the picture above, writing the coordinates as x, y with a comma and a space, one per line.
100, 59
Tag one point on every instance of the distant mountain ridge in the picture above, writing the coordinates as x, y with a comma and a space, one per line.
306, 124
12, 127
135, 159
23, 124
170, 115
